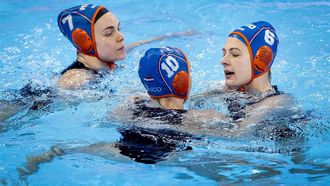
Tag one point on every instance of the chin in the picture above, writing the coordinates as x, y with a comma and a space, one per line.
121, 57
231, 84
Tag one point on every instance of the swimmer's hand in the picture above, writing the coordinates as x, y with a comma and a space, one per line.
160, 38
33, 162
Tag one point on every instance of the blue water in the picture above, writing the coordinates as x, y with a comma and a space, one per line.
32, 48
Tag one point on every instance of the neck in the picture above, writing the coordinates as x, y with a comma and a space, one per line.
260, 84
93, 62
171, 103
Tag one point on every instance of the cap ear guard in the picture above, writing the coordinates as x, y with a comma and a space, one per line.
263, 58
82, 40
181, 83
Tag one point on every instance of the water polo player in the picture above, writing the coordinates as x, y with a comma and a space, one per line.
95, 33
248, 55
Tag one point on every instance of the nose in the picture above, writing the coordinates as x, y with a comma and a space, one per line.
120, 37
224, 61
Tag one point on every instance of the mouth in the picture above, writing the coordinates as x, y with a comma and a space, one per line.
228, 73
121, 48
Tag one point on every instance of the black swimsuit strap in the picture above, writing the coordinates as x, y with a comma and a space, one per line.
77, 65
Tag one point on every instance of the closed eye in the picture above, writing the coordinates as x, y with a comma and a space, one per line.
235, 52
108, 30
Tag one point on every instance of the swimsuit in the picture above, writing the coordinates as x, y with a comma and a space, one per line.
150, 146
238, 101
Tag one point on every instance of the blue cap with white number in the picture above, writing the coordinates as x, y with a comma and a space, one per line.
165, 72
261, 39
77, 25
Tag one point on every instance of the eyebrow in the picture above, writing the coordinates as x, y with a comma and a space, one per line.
109, 27
231, 49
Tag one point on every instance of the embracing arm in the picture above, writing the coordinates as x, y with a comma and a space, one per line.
124, 112
208, 122
160, 38
213, 88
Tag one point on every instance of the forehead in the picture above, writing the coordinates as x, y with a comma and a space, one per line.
233, 42
107, 20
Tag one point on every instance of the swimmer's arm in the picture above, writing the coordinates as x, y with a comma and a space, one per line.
205, 116
123, 113
106, 150
207, 122
7, 113
120, 114
33, 162
8, 109
214, 87
102, 149
203, 95
160, 38
269, 109
74, 79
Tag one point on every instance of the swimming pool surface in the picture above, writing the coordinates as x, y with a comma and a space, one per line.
32, 48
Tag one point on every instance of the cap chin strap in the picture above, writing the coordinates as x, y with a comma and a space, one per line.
111, 65
243, 89
93, 30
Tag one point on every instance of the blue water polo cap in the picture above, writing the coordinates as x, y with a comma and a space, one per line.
165, 72
261, 39
77, 24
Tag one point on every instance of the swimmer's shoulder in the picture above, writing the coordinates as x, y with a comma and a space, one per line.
277, 106
280, 100
273, 104
75, 78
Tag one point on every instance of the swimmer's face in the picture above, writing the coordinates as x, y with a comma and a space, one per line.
109, 40
236, 63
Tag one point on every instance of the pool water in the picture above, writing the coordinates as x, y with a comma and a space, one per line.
32, 48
